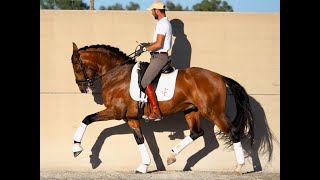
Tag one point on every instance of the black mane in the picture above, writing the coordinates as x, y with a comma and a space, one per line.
106, 48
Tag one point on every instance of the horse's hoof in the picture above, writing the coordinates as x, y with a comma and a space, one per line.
171, 160
76, 149
238, 170
75, 154
238, 173
142, 169
95, 161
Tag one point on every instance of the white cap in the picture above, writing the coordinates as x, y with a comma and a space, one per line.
156, 5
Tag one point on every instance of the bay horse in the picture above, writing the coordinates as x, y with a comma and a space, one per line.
197, 92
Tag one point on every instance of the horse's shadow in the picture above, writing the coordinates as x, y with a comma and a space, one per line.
263, 136
176, 124
96, 91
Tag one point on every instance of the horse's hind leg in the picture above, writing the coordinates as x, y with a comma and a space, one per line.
224, 126
136, 130
193, 120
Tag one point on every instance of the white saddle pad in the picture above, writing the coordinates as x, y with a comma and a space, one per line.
165, 88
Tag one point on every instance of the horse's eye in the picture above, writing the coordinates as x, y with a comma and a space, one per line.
78, 70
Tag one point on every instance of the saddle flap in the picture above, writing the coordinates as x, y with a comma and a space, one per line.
165, 86
143, 67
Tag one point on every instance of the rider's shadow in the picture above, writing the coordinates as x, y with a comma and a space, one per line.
181, 48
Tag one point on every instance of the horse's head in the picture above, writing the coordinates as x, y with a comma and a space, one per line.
85, 73
91, 62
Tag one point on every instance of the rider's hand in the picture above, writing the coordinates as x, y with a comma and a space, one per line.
140, 51
144, 44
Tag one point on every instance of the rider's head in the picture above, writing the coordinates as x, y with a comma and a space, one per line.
157, 8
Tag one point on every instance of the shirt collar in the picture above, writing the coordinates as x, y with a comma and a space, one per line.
163, 19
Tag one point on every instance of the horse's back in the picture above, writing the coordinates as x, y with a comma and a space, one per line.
200, 76
202, 88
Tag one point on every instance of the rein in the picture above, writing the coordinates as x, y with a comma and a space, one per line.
133, 58
124, 62
83, 68
93, 79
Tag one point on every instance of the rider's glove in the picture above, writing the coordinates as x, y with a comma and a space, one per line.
141, 50
144, 44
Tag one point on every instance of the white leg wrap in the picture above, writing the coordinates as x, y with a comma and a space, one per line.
181, 145
238, 152
144, 154
79, 133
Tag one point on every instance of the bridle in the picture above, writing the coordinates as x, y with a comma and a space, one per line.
86, 77
94, 78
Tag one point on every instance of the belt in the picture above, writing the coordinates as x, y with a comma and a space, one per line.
158, 53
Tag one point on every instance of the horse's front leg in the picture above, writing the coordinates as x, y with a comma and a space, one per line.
103, 115
136, 130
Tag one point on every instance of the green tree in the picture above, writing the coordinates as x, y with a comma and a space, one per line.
212, 5
132, 6
47, 4
172, 7
116, 6
63, 4
102, 8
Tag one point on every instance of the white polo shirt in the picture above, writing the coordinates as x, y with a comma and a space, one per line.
164, 27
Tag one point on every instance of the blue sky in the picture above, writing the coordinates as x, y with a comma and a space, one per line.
237, 5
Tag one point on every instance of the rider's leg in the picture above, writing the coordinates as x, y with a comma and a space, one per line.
155, 111
157, 62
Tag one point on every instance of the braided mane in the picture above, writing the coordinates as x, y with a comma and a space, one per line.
104, 48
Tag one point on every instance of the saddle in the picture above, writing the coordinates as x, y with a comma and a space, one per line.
168, 68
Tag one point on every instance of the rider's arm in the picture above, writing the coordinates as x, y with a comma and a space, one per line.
156, 45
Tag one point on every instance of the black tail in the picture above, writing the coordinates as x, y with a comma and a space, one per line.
243, 123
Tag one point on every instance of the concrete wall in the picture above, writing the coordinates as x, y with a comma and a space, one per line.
243, 46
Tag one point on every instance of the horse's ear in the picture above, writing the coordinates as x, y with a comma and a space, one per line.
75, 48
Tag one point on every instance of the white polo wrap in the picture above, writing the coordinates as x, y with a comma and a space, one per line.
144, 154
238, 151
79, 133
181, 145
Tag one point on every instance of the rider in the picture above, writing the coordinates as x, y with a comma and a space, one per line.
162, 42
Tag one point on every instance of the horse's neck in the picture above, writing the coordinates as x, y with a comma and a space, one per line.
119, 73
108, 63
